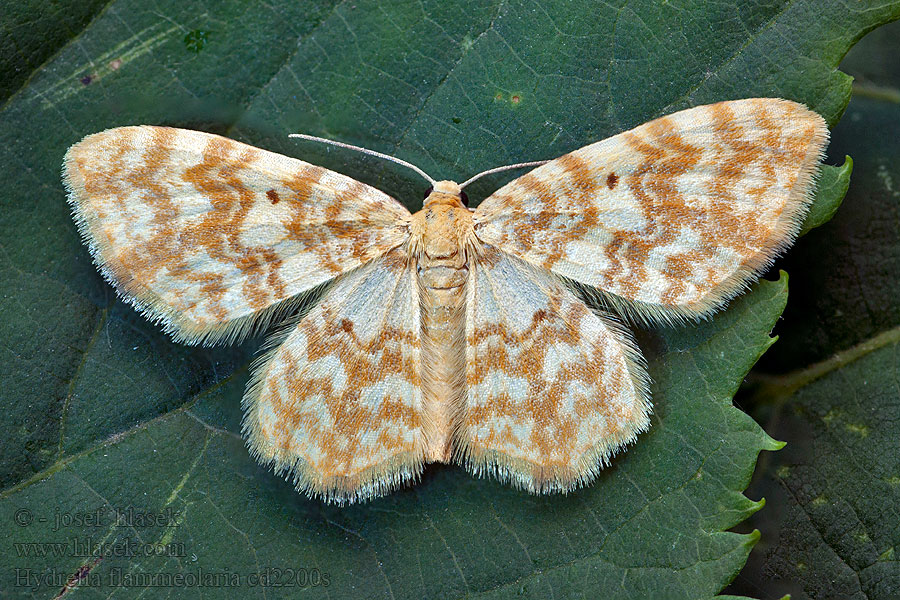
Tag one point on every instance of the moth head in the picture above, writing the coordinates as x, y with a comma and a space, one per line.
447, 193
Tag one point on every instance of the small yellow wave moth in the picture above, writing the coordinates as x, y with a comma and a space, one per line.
448, 335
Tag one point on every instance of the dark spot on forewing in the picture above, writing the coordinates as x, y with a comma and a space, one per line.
611, 180
273, 196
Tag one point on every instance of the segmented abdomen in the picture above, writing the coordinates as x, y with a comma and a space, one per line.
442, 297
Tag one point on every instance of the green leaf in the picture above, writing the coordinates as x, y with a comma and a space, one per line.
102, 412
830, 190
829, 387
32, 31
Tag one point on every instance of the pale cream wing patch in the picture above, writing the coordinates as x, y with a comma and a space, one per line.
554, 390
337, 405
208, 235
674, 217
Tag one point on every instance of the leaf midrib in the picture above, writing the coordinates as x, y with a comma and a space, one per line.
776, 389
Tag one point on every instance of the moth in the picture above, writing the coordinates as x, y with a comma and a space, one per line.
449, 335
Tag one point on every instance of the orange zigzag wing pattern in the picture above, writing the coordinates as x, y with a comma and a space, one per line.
208, 235
554, 389
675, 216
450, 335
338, 403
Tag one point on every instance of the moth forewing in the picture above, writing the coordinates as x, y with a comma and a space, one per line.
213, 238
670, 219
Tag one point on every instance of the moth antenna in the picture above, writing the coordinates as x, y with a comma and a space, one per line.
533, 163
394, 159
